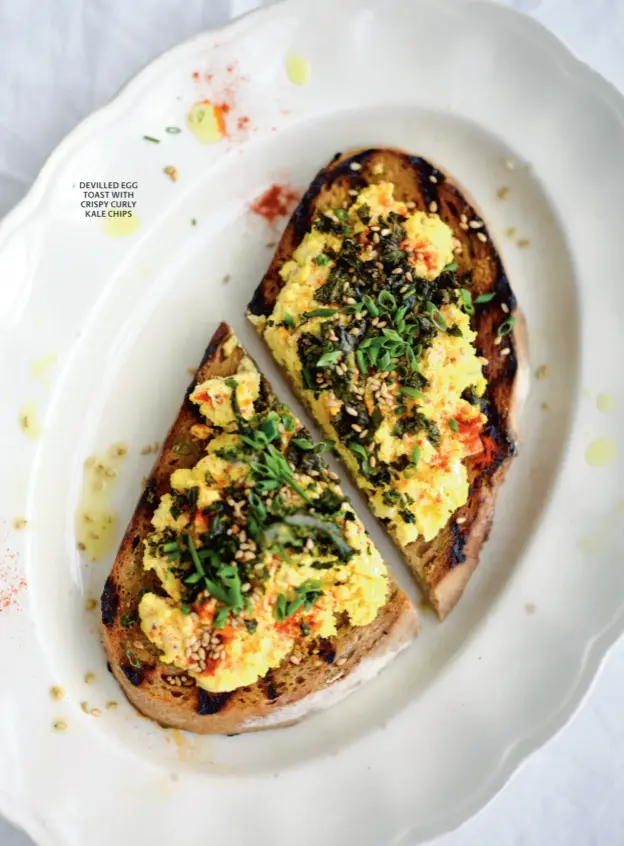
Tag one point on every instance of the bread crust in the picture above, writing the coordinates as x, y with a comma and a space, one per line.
134, 661
442, 566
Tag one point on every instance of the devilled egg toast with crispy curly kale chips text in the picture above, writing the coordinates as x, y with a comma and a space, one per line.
388, 307
246, 592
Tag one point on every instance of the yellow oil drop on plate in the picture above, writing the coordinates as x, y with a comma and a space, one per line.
121, 227
96, 520
40, 367
29, 421
206, 121
590, 544
298, 69
605, 403
600, 452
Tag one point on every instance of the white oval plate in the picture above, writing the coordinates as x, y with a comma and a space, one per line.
499, 103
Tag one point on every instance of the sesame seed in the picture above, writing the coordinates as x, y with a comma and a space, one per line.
90, 604
433, 207
476, 224
356, 427
410, 205
350, 410
461, 520
353, 192
385, 231
372, 461
398, 270
481, 237
350, 301
246, 587
110, 706
355, 166
497, 341
59, 725
409, 276
89, 678
96, 712
506, 351
295, 659
505, 308
463, 225
523, 242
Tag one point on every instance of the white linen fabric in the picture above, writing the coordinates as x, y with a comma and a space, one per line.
60, 60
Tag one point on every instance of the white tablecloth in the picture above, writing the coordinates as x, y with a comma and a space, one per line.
60, 60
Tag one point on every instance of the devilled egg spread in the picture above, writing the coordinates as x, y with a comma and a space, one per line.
373, 326
258, 552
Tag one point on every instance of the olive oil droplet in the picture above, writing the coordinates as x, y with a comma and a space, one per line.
298, 69
605, 403
600, 452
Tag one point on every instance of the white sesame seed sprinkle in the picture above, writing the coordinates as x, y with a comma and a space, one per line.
505, 308
481, 237
433, 207
355, 166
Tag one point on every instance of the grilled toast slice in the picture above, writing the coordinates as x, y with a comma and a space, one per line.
317, 673
444, 563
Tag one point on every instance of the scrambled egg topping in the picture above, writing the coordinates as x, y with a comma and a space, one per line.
373, 325
258, 552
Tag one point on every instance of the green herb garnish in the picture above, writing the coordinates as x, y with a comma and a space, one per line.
320, 312
321, 260
183, 448
436, 316
453, 424
466, 299
153, 140
133, 658
485, 298
275, 471
128, 620
506, 327
308, 446
414, 393
220, 618
185, 609
329, 358
173, 130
